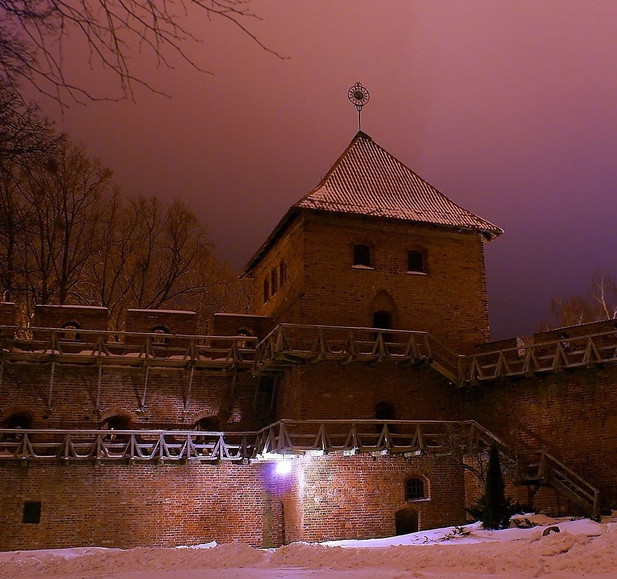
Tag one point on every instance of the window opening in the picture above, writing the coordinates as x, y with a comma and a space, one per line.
245, 343
161, 338
18, 420
362, 255
209, 424
32, 513
266, 290
274, 280
414, 489
415, 262
70, 331
282, 273
383, 321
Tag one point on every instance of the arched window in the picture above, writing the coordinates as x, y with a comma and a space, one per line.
116, 422
245, 343
70, 331
208, 424
362, 255
416, 262
17, 420
415, 489
161, 338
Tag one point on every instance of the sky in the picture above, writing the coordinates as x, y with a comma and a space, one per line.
579, 548
508, 107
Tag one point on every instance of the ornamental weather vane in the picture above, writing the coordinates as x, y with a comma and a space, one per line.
358, 96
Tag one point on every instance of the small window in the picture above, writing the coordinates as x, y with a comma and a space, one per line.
415, 262
282, 273
161, 335
362, 255
245, 343
266, 290
70, 331
32, 513
274, 280
414, 489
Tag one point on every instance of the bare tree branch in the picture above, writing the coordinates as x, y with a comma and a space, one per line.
33, 33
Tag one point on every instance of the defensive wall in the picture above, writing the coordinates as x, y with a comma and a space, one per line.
178, 382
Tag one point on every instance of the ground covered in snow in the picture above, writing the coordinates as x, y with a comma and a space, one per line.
582, 548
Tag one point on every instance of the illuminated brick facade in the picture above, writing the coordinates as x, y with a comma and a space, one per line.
404, 285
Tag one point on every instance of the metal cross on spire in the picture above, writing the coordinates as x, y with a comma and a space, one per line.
358, 96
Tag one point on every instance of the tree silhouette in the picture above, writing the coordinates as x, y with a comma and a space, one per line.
496, 513
33, 34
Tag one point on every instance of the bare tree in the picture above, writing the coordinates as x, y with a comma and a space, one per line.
597, 304
61, 211
23, 133
33, 33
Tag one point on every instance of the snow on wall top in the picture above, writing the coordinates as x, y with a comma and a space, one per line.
367, 180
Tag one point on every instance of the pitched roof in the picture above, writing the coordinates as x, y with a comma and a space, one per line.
367, 180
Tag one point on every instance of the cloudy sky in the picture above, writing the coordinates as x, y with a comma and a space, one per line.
507, 106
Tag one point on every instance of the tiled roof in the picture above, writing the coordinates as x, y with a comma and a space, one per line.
367, 180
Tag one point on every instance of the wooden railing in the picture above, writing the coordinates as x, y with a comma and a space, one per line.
155, 350
290, 437
125, 445
587, 351
290, 344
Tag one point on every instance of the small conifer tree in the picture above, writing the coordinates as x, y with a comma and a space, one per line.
494, 509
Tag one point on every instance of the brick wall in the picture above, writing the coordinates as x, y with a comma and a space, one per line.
572, 415
324, 288
115, 505
87, 317
357, 497
25, 388
332, 390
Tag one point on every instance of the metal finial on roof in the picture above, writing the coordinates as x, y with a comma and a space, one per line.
358, 96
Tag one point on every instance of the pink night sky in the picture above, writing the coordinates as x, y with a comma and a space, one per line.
506, 106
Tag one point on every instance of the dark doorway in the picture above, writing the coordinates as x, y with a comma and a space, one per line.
406, 521
383, 321
385, 411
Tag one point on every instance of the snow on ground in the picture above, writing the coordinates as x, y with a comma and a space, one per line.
582, 548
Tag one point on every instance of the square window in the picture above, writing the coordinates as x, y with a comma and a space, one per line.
415, 261
32, 512
362, 255
414, 489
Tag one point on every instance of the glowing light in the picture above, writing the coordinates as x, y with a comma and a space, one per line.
283, 467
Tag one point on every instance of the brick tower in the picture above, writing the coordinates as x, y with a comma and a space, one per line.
375, 245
